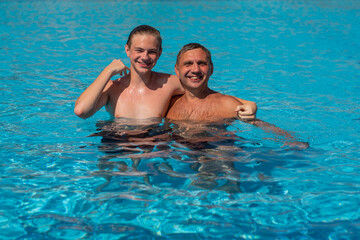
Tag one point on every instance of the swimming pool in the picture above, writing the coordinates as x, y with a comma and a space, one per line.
66, 178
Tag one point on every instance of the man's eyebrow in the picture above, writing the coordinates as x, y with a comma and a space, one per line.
202, 61
188, 62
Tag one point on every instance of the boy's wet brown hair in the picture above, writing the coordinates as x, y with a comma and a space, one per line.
145, 29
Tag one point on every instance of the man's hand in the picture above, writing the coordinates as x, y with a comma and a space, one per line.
118, 67
296, 144
247, 111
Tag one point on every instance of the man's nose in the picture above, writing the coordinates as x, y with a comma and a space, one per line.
195, 68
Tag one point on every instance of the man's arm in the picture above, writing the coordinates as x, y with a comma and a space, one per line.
247, 111
290, 140
95, 96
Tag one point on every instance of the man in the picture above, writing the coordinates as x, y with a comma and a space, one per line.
142, 93
194, 68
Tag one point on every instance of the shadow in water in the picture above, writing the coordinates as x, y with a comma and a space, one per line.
182, 155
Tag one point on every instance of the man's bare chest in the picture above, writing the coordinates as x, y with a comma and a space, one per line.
198, 111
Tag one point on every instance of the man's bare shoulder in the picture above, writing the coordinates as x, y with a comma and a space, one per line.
223, 99
224, 105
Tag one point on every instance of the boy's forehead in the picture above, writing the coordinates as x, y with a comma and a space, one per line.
144, 40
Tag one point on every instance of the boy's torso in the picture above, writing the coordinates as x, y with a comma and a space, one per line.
147, 101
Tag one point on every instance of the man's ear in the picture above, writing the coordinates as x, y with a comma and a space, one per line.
127, 50
177, 71
211, 69
160, 52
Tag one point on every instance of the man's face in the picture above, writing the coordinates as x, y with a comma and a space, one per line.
194, 69
144, 52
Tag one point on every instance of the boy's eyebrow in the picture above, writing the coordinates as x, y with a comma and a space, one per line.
140, 48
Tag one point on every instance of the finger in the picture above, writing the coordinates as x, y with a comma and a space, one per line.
245, 113
246, 118
241, 110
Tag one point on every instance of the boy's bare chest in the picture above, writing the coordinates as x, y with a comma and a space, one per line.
140, 103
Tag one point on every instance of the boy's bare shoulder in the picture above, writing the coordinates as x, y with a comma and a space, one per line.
165, 76
160, 75
170, 81
122, 81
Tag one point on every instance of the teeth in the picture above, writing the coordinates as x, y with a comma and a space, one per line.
194, 78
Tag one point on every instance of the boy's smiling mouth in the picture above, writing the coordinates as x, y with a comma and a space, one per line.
145, 65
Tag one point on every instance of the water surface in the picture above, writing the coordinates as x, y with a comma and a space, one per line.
67, 178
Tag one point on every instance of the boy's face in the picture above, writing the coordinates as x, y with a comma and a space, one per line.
143, 53
194, 69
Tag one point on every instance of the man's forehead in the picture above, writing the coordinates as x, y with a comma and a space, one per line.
194, 54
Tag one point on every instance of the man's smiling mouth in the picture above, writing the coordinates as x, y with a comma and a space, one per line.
195, 78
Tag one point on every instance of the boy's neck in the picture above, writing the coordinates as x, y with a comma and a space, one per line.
137, 78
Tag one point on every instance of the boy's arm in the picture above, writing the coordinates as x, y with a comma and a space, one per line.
179, 89
247, 111
94, 97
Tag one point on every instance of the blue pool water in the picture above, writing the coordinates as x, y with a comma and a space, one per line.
67, 178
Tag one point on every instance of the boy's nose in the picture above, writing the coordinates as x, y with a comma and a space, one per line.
145, 55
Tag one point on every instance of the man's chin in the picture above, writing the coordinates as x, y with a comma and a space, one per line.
196, 83
194, 86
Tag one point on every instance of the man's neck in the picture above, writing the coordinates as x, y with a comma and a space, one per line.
197, 94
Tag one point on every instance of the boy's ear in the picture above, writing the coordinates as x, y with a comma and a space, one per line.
127, 50
160, 52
